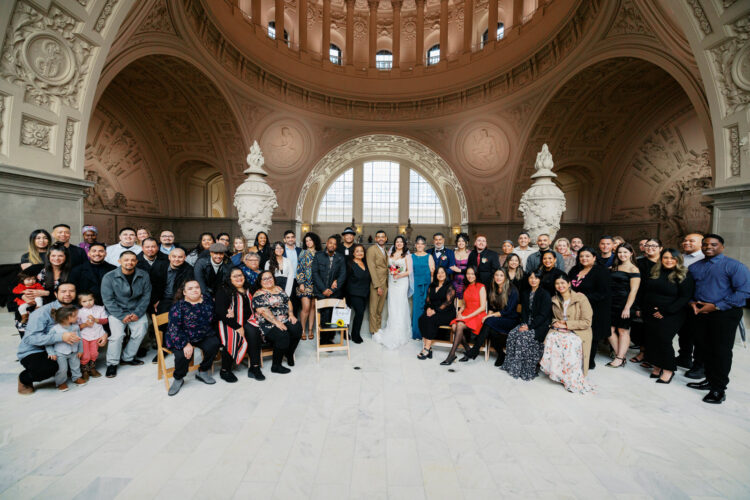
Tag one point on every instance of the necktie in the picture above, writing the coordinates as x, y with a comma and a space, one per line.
478, 256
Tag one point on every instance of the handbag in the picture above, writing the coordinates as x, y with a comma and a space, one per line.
341, 316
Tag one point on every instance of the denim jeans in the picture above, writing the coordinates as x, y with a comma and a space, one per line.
63, 361
114, 348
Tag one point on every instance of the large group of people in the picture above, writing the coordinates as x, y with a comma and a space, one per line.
547, 308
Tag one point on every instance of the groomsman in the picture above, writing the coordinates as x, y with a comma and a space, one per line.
443, 257
377, 264
484, 261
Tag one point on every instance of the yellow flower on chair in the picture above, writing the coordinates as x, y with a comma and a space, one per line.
340, 322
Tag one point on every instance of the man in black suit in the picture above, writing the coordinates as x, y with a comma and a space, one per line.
443, 257
150, 255
484, 261
88, 276
167, 276
329, 278
61, 233
210, 273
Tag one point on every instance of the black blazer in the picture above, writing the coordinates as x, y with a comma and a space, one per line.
324, 274
597, 287
540, 312
159, 282
142, 264
88, 278
358, 280
489, 262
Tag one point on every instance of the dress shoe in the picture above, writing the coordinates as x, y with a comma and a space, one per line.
696, 373
464, 359
448, 361
25, 389
655, 375
701, 386
176, 386
715, 397
290, 360
357, 339
662, 381
499, 361
132, 362
683, 362
79, 382
228, 376
111, 371
142, 351
62, 387
205, 377
279, 369
254, 372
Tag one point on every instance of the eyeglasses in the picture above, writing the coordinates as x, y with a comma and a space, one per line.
267, 278
651, 246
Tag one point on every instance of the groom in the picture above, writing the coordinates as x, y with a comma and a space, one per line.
377, 264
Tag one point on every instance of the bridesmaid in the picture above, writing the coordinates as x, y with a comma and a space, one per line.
311, 245
423, 266
462, 262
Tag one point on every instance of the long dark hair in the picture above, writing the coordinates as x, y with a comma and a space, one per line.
273, 263
680, 271
34, 256
498, 297
229, 287
268, 240
519, 270
466, 276
541, 258
198, 247
434, 284
315, 239
627, 246
49, 273
585, 249
350, 261
404, 251
464, 237
561, 277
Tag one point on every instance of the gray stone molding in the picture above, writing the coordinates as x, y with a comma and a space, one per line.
19, 180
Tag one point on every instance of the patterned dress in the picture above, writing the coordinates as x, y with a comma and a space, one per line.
189, 323
563, 360
277, 303
304, 272
458, 278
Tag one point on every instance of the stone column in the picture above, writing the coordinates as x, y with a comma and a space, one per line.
468, 24
396, 4
279, 19
326, 38
492, 21
349, 32
255, 12
420, 32
517, 12
373, 30
302, 28
443, 30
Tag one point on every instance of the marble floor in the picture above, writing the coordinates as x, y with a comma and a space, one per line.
381, 425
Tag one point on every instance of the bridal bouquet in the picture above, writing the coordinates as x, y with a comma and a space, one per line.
394, 270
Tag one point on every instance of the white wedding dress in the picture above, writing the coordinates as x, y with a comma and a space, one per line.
397, 330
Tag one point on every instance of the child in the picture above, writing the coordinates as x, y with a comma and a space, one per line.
66, 354
27, 281
90, 320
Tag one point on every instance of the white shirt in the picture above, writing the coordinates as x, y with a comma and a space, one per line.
114, 252
523, 254
692, 258
285, 271
291, 254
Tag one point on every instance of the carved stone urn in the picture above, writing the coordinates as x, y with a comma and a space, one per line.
254, 199
543, 203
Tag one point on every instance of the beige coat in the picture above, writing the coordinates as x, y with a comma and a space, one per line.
579, 320
377, 264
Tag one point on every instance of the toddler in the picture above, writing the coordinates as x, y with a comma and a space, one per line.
91, 317
27, 281
65, 354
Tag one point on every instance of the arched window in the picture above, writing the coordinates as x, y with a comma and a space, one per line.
380, 191
337, 202
272, 32
500, 33
433, 55
384, 59
334, 54
424, 204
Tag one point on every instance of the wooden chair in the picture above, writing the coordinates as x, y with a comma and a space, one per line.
160, 323
485, 348
343, 344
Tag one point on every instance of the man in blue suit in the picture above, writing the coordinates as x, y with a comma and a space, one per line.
444, 257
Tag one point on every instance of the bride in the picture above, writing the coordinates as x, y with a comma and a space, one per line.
397, 330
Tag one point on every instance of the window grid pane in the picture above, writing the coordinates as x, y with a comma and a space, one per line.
424, 204
337, 202
380, 192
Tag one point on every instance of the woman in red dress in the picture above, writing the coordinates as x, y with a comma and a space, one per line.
470, 316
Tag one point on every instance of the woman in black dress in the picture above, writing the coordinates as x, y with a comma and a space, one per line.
652, 250
550, 271
514, 271
626, 279
358, 289
438, 310
593, 280
525, 345
667, 290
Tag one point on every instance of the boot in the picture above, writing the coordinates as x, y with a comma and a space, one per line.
24, 318
92, 370
85, 372
277, 367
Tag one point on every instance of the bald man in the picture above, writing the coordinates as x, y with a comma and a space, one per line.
689, 355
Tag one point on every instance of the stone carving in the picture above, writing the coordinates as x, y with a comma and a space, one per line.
732, 63
734, 150
700, 16
628, 21
485, 148
101, 21
679, 207
102, 195
284, 145
543, 204
70, 130
35, 133
360, 28
158, 20
45, 55
2, 119
254, 199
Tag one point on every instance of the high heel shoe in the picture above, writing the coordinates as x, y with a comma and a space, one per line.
662, 381
422, 355
655, 375
624, 361
449, 360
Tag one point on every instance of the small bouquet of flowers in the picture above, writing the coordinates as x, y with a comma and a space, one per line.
394, 270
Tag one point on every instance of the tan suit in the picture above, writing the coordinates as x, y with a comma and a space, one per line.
377, 264
579, 321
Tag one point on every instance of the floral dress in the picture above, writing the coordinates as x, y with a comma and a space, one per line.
277, 303
562, 360
304, 272
189, 323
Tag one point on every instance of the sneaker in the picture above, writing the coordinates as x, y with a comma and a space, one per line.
205, 377
62, 387
111, 371
176, 386
228, 376
254, 372
25, 389
79, 382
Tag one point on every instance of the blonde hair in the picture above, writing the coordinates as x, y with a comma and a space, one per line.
558, 240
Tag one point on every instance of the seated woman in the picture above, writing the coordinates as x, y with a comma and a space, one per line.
526, 342
277, 322
238, 327
191, 324
438, 310
550, 271
469, 317
502, 317
250, 267
568, 343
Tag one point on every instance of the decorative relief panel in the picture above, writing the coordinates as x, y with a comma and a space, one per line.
284, 144
158, 20
629, 21
484, 148
70, 131
734, 150
700, 16
43, 54
732, 64
101, 21
35, 133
